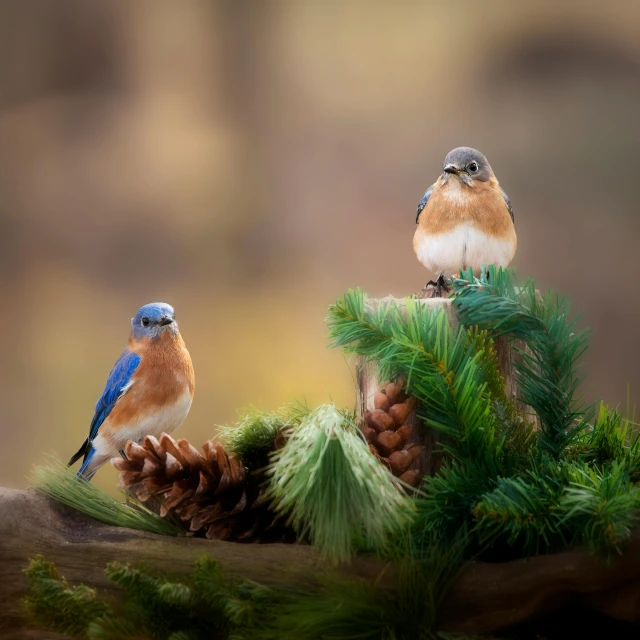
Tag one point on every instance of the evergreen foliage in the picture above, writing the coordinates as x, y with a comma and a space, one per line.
53, 604
252, 438
206, 604
209, 604
57, 481
358, 609
547, 373
516, 490
332, 488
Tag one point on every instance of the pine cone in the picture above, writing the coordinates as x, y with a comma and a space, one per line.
389, 432
213, 494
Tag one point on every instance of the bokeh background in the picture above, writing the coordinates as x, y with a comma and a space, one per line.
249, 161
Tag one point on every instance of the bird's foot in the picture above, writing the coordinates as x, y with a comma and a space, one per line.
434, 288
440, 285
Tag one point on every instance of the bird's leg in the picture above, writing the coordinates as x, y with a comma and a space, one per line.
440, 285
123, 454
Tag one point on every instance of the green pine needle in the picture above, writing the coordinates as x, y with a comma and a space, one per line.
59, 482
252, 438
547, 373
53, 604
602, 505
356, 609
333, 489
533, 491
205, 604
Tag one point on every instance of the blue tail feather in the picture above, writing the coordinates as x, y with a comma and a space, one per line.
85, 464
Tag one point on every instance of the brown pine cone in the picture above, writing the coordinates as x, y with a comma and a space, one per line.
212, 494
389, 431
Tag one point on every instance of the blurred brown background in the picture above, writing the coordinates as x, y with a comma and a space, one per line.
249, 161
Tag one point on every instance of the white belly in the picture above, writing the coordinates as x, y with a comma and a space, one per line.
464, 247
166, 420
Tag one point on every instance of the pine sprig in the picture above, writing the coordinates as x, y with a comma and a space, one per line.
443, 367
547, 373
252, 438
57, 481
524, 511
602, 504
204, 605
333, 490
518, 432
53, 604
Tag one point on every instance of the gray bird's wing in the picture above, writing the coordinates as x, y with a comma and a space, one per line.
508, 202
423, 202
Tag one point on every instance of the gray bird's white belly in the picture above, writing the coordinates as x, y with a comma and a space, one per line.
464, 247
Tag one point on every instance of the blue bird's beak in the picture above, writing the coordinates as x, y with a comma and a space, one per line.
165, 321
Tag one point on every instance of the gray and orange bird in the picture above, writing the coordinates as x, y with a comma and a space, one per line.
465, 219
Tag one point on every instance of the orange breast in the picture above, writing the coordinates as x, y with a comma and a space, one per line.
453, 203
165, 371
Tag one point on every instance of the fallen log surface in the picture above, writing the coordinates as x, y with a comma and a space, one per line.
486, 597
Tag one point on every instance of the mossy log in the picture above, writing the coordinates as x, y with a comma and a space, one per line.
368, 382
485, 598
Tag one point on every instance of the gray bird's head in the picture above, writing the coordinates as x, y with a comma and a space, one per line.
468, 165
152, 320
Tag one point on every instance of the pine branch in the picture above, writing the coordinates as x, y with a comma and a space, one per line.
518, 432
333, 489
602, 505
547, 377
54, 605
356, 609
443, 369
252, 438
450, 497
205, 605
524, 511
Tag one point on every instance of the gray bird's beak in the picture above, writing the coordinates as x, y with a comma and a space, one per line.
165, 321
451, 168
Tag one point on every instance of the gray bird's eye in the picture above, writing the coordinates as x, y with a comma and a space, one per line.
473, 167
145, 321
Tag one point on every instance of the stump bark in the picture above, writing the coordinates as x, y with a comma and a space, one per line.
368, 384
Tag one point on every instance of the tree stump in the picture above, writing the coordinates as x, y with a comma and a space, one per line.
368, 384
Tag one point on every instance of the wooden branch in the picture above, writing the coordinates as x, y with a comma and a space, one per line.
486, 598
81, 547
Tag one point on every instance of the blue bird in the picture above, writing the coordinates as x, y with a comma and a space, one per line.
149, 390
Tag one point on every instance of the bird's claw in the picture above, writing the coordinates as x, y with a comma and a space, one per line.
439, 285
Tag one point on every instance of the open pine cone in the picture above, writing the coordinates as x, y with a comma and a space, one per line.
213, 494
389, 432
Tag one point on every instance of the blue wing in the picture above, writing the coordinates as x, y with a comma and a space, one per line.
508, 202
119, 377
423, 202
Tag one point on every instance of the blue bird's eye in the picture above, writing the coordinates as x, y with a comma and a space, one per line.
145, 321
473, 167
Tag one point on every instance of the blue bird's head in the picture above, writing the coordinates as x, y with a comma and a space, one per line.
152, 320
